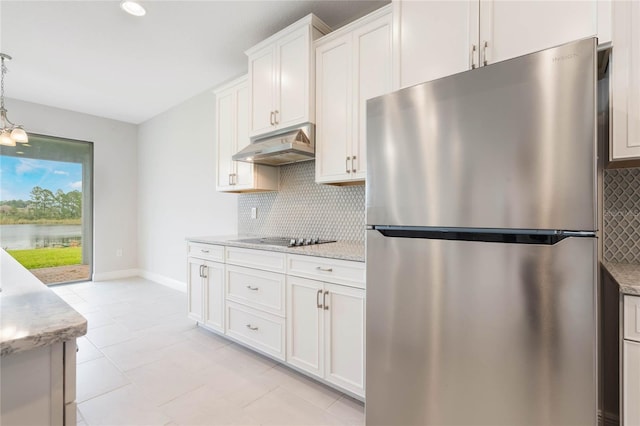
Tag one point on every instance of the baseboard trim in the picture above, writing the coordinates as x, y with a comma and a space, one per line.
114, 275
165, 281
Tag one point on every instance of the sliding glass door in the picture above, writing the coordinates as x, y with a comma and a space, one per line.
46, 198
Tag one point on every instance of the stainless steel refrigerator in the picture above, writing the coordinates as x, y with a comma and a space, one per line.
482, 230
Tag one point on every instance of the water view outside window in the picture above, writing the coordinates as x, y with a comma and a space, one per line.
41, 211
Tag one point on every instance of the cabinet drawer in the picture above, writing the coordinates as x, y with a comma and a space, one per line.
260, 259
632, 318
329, 270
262, 331
257, 289
206, 251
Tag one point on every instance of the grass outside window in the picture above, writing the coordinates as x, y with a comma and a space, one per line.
48, 257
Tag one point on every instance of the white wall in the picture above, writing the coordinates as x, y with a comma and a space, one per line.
176, 186
115, 177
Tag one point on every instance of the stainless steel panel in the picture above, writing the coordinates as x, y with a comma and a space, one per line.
509, 145
474, 333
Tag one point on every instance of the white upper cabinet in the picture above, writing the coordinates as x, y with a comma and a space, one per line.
281, 79
433, 39
513, 28
440, 38
232, 134
353, 64
625, 84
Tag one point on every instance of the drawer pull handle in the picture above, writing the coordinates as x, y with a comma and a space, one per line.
324, 301
320, 268
253, 288
204, 251
318, 303
252, 328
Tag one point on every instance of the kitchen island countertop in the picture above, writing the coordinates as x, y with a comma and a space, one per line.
344, 250
627, 275
32, 315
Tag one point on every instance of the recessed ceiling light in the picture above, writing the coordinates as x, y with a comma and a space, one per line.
132, 7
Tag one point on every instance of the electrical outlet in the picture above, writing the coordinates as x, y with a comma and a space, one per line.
119, 253
254, 212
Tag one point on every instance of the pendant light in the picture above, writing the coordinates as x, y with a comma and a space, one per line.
10, 133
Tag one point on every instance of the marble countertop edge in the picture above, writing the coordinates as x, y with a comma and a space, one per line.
31, 314
627, 275
20, 344
341, 250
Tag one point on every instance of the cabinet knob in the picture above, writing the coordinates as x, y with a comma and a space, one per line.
275, 117
318, 303
253, 288
272, 120
353, 167
324, 300
320, 268
347, 164
252, 328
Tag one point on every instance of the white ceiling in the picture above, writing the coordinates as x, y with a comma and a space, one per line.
90, 56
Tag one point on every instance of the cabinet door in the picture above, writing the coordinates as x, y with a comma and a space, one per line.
434, 38
333, 111
304, 324
520, 27
244, 171
261, 87
372, 76
214, 295
626, 81
631, 384
292, 79
195, 290
344, 312
225, 139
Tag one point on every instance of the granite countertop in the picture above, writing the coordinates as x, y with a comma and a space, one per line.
32, 315
343, 250
627, 275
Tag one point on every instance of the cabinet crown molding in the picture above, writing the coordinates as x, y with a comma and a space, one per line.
310, 19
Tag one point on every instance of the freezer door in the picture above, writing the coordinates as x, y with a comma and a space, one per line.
509, 145
474, 333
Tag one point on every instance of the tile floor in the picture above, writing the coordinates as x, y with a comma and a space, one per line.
143, 362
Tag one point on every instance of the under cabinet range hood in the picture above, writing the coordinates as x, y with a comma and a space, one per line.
284, 146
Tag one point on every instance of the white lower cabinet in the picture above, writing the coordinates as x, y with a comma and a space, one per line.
38, 386
205, 296
257, 329
306, 311
631, 384
631, 362
325, 331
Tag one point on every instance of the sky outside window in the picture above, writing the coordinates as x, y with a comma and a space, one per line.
18, 176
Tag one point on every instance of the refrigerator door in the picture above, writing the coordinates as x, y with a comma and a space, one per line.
509, 145
476, 333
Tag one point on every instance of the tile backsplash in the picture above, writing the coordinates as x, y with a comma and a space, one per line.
303, 208
622, 215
